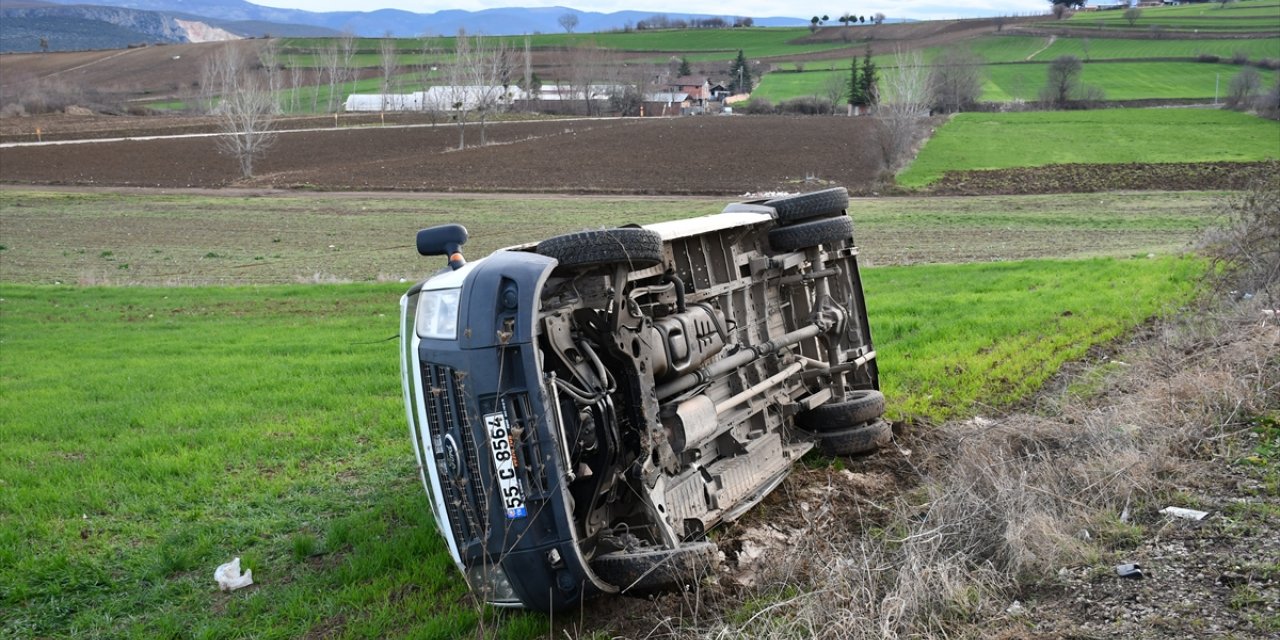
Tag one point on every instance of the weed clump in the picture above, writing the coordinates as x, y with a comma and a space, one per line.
1246, 251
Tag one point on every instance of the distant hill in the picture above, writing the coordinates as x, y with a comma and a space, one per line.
73, 27
500, 21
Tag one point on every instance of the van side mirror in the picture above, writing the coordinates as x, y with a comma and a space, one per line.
444, 240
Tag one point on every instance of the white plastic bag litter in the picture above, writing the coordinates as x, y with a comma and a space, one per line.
229, 577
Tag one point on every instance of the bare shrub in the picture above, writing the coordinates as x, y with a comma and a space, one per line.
1063, 80
1243, 88
805, 106
955, 80
903, 109
757, 107
1247, 248
1239, 57
13, 110
999, 505
1268, 106
1132, 14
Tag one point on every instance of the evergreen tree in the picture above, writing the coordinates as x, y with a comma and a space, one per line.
684, 68
868, 79
855, 87
740, 75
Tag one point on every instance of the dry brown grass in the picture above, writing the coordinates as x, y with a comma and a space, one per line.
991, 508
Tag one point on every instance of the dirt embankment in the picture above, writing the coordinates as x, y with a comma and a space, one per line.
1012, 527
1089, 178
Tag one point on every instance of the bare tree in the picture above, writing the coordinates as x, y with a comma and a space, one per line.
330, 61
955, 80
245, 109
295, 83
491, 77
587, 65
1063, 82
1060, 11
459, 76
347, 43
568, 22
1243, 88
878, 18
1132, 14
903, 107
833, 88
390, 62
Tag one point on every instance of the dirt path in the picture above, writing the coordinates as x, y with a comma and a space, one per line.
180, 136
88, 64
1048, 44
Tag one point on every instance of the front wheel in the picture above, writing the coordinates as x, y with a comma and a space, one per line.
864, 438
863, 405
646, 572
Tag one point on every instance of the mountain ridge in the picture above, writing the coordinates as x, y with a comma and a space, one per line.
400, 23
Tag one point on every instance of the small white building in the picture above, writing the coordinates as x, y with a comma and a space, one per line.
438, 98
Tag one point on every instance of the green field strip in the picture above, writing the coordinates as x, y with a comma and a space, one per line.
1120, 80
1031, 139
1111, 48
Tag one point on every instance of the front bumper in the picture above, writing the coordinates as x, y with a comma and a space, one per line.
513, 552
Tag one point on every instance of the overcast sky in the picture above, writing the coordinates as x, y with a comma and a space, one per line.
912, 9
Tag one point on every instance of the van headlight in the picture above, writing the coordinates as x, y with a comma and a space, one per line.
438, 314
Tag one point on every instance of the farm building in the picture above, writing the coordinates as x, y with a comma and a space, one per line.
384, 102
697, 87
439, 98
667, 104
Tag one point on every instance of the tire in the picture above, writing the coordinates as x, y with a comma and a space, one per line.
863, 438
645, 572
639, 248
815, 204
858, 407
811, 234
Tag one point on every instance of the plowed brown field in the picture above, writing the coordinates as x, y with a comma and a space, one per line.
699, 155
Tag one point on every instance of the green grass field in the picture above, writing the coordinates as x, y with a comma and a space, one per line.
154, 433
1245, 15
1023, 81
1120, 80
1015, 48
755, 42
996, 141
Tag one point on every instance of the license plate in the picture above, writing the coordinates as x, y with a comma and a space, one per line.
504, 461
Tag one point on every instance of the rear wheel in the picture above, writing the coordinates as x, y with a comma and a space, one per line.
815, 204
849, 441
858, 407
645, 572
811, 234
637, 248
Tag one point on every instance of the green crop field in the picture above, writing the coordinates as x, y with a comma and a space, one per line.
996, 49
154, 433
755, 42
1120, 80
1112, 48
1244, 16
997, 141
1023, 81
